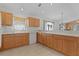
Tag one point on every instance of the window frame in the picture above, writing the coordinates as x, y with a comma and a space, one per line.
45, 25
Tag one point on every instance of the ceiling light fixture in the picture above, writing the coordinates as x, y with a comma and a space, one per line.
39, 5
22, 9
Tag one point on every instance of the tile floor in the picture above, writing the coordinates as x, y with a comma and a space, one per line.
31, 50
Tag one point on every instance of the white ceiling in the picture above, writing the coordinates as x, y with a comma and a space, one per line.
56, 11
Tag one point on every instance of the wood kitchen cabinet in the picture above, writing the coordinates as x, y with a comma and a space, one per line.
69, 45
21, 39
6, 19
58, 42
50, 40
42, 38
39, 36
45, 39
14, 40
77, 47
33, 22
8, 41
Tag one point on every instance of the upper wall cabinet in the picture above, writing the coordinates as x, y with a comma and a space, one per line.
6, 19
33, 22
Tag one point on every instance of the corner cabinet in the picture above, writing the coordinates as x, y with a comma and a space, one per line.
41, 38
6, 19
33, 22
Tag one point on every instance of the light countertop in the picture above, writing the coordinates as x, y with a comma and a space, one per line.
13, 32
72, 33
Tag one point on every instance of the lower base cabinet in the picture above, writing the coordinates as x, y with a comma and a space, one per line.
49, 40
14, 40
44, 40
68, 45
77, 47
58, 43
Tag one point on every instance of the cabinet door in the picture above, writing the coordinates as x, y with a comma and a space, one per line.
59, 39
6, 19
37, 23
33, 22
40, 40
25, 39
14, 40
55, 45
69, 46
38, 37
8, 41
49, 40
18, 40
22, 39
52, 41
77, 47
44, 38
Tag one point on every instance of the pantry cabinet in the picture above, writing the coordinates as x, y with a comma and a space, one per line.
14, 40
6, 19
33, 22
